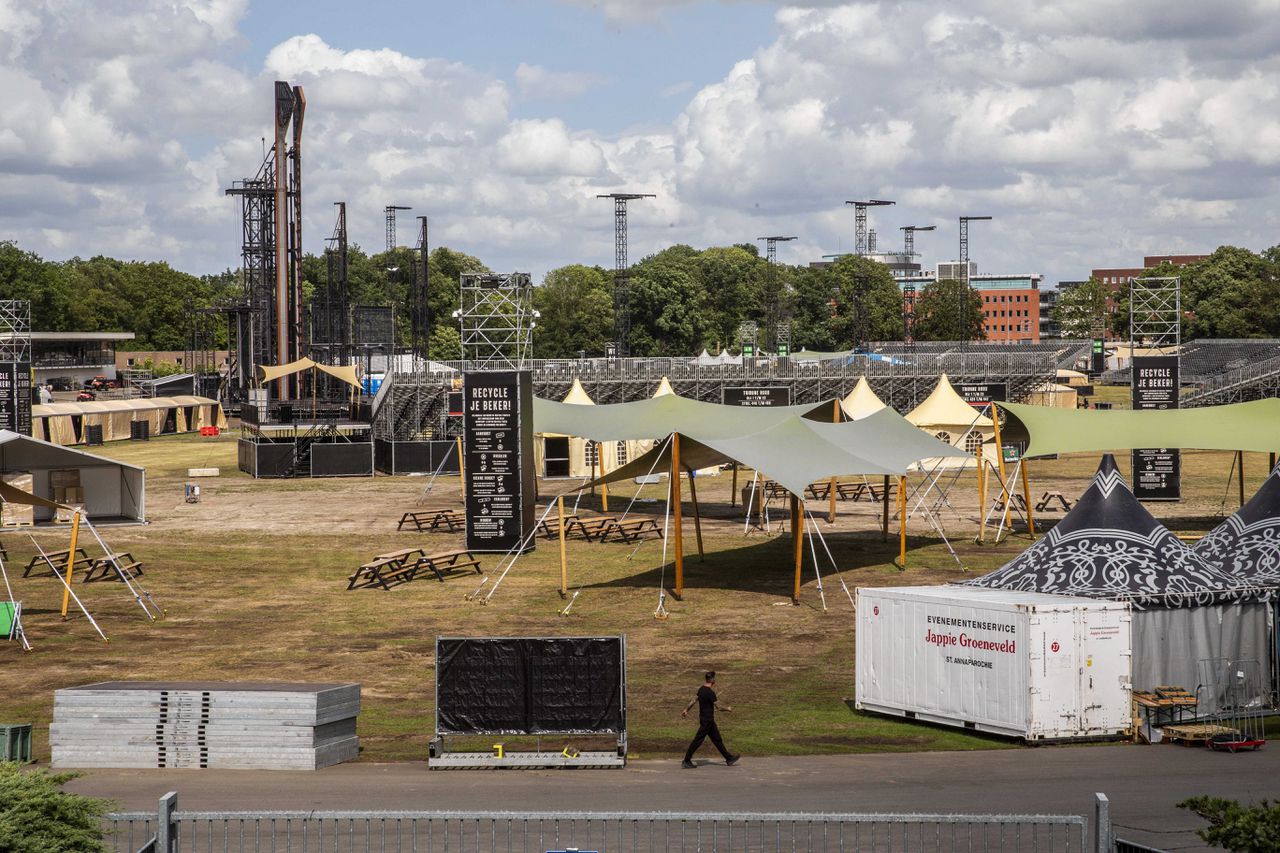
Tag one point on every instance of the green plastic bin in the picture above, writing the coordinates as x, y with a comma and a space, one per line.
16, 738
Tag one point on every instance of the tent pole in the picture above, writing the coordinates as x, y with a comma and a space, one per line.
831, 494
604, 487
982, 497
797, 545
564, 563
1240, 459
902, 523
733, 487
1026, 496
462, 473
1272, 464
697, 515
1004, 481
678, 538
71, 561
884, 523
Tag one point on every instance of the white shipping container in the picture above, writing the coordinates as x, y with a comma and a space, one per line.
1036, 666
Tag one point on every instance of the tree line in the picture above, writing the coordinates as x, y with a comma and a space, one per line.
681, 299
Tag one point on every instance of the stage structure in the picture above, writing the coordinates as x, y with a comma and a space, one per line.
496, 320
622, 270
268, 323
15, 365
330, 309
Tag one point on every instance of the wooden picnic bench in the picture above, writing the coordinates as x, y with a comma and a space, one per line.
47, 562
1052, 502
849, 491
1018, 502
111, 567
385, 569
633, 530
450, 563
550, 526
588, 528
426, 520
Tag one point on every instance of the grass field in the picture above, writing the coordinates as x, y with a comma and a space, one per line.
254, 581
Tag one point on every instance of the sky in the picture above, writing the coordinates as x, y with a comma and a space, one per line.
1092, 132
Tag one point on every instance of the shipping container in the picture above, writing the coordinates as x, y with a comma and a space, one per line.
1026, 664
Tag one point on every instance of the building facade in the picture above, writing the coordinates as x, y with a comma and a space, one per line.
1010, 303
69, 359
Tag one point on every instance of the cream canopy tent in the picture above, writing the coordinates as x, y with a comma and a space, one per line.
946, 416
577, 457
664, 387
271, 372
111, 489
861, 401
64, 423
1053, 395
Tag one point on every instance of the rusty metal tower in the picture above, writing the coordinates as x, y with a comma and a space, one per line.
621, 268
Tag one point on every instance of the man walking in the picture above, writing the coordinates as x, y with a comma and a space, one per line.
707, 728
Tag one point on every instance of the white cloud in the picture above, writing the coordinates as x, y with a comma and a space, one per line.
536, 81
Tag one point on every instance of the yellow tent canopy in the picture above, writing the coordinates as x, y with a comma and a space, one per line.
272, 372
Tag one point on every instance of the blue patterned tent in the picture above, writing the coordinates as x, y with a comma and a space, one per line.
1247, 544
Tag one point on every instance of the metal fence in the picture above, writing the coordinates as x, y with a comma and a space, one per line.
173, 831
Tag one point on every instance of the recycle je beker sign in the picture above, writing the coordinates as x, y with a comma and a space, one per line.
1157, 472
497, 429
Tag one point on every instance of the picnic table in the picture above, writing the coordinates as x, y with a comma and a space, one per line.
50, 560
403, 566
425, 520
1052, 501
632, 530
112, 567
589, 528
850, 491
550, 527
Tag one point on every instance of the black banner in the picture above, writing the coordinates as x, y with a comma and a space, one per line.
374, 325
530, 685
15, 396
497, 424
767, 397
1157, 472
980, 394
1098, 357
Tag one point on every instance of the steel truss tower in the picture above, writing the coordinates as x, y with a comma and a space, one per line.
419, 305
330, 307
964, 243
269, 323
621, 269
391, 224
1155, 312
15, 365
772, 291
909, 238
860, 222
496, 320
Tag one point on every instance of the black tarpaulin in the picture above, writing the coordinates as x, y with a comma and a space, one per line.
523, 685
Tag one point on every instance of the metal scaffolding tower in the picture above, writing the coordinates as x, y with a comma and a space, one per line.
909, 238
1155, 312
391, 224
964, 243
860, 222
419, 305
496, 320
269, 322
621, 269
330, 306
15, 365
772, 291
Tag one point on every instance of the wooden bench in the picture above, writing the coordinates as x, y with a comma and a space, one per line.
46, 563
850, 491
433, 519
449, 563
1052, 502
1018, 501
111, 567
589, 528
384, 569
633, 530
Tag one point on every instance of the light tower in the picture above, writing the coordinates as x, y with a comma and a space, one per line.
621, 270
909, 288
964, 243
391, 224
909, 238
860, 222
771, 317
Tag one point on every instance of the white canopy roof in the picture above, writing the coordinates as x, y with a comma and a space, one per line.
861, 401
944, 407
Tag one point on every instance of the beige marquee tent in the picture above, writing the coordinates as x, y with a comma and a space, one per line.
560, 455
947, 417
861, 401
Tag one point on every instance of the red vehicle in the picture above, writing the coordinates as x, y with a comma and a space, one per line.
100, 383
86, 395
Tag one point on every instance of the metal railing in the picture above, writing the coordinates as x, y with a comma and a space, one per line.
173, 831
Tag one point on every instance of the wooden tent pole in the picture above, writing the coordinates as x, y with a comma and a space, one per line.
1272, 467
462, 473
564, 562
733, 488
902, 523
982, 496
604, 487
797, 544
884, 524
697, 514
1026, 496
1240, 460
831, 494
678, 538
70, 568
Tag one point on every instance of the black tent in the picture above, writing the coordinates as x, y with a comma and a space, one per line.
1247, 544
1189, 615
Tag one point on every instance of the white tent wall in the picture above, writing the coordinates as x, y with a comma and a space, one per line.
111, 489
1169, 643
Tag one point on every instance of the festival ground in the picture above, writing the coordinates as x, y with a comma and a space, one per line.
254, 581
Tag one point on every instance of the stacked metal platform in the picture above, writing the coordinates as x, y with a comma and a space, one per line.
230, 725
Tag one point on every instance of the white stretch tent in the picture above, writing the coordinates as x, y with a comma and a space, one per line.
111, 489
861, 401
947, 417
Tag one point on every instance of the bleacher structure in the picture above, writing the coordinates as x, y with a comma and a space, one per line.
413, 430
1223, 370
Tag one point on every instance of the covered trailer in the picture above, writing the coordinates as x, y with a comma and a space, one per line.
1025, 664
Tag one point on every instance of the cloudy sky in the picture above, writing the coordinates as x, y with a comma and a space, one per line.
1093, 131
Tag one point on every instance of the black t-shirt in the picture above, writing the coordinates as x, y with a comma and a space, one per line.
706, 704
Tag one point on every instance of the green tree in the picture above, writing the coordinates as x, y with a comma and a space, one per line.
1082, 310
1244, 829
576, 304
948, 310
732, 281
813, 305
37, 816
666, 302
868, 302
1231, 294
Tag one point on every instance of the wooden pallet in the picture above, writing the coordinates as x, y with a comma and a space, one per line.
1195, 734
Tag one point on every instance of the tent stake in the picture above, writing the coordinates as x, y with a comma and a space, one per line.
697, 514
678, 541
797, 546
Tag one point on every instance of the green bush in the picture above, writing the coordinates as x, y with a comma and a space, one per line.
37, 816
1243, 829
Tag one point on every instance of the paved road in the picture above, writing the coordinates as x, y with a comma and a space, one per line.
1143, 784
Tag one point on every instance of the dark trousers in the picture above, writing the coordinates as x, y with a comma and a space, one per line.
707, 729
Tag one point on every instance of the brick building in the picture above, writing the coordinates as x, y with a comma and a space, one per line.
1010, 303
